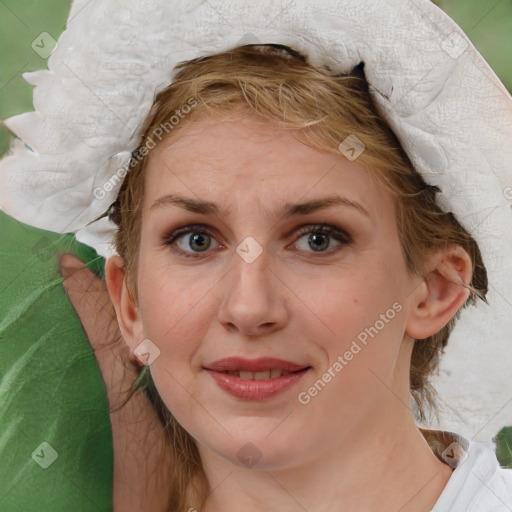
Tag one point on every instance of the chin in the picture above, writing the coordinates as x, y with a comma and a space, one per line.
256, 450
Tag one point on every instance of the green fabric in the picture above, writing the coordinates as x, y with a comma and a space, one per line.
51, 390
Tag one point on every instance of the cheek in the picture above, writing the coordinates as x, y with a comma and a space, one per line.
174, 319
173, 312
364, 314
344, 305
361, 344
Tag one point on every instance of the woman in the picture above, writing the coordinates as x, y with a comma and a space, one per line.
318, 252
256, 286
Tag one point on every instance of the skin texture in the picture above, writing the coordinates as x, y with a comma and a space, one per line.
293, 303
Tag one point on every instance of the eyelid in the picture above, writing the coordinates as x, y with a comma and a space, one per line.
326, 229
170, 238
341, 235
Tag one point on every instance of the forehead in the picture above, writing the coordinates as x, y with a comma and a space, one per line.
246, 161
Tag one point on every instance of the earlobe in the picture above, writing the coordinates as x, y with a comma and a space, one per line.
126, 309
441, 294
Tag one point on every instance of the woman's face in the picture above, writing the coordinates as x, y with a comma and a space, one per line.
257, 275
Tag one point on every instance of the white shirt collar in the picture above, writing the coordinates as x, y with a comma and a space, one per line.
478, 483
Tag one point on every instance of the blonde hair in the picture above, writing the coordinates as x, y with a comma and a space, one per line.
277, 85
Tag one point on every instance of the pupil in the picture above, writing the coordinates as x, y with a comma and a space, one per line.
318, 243
200, 239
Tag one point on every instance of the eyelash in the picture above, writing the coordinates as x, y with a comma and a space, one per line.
322, 229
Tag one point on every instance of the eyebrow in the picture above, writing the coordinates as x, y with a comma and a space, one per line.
289, 209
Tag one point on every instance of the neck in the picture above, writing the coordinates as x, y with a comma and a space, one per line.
373, 469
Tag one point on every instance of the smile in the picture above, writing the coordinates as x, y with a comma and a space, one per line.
246, 385
266, 374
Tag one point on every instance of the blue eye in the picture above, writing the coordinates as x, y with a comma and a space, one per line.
321, 235
197, 239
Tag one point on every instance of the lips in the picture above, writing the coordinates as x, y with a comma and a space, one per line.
242, 367
255, 379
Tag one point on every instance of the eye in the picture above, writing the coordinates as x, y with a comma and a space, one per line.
191, 241
320, 237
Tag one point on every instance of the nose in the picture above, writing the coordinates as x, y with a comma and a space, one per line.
253, 297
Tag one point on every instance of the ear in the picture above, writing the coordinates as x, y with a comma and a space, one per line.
126, 307
440, 293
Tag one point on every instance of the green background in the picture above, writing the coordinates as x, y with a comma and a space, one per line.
51, 390
73, 418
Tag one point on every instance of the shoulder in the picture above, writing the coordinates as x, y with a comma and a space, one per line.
496, 492
478, 483
494, 485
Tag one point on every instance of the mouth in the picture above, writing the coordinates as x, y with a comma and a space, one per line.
255, 379
255, 369
264, 375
